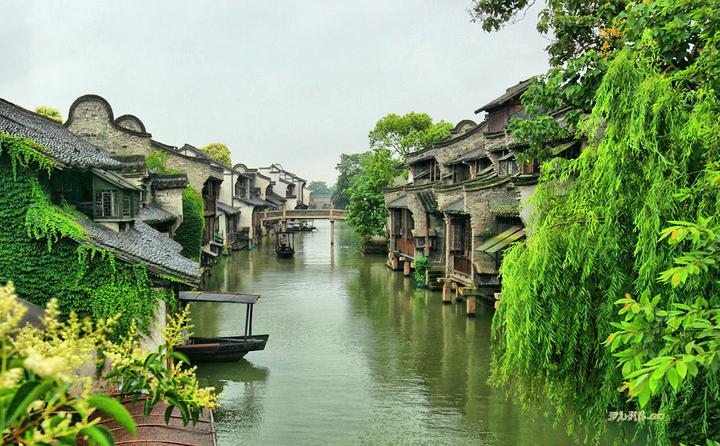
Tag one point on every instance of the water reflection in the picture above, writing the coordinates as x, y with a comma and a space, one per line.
357, 355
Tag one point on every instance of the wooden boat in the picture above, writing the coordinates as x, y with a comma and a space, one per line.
222, 348
285, 244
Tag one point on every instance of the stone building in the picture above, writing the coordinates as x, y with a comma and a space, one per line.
91, 117
466, 201
107, 206
288, 188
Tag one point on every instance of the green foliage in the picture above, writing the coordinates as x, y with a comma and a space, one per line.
407, 133
50, 112
367, 213
348, 168
421, 267
23, 153
595, 238
219, 152
319, 187
41, 254
190, 232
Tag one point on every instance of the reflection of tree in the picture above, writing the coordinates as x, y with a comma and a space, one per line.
414, 338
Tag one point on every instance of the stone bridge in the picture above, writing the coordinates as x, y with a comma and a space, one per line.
285, 215
303, 214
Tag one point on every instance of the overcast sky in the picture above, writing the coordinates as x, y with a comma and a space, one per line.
278, 81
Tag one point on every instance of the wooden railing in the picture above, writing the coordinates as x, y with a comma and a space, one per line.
304, 214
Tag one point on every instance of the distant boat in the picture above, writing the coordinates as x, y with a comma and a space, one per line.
285, 244
222, 348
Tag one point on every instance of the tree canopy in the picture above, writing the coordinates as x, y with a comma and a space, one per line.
349, 167
367, 213
642, 80
319, 187
218, 151
403, 134
50, 112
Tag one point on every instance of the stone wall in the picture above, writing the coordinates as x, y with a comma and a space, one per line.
197, 171
91, 118
171, 201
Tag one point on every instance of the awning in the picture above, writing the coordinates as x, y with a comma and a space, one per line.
557, 150
209, 252
218, 296
399, 203
227, 209
427, 199
506, 157
457, 206
502, 240
115, 179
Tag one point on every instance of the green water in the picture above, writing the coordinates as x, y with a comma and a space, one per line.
356, 355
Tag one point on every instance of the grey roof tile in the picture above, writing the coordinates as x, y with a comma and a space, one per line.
153, 215
144, 244
63, 146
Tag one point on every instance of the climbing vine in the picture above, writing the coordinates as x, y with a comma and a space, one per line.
44, 250
190, 232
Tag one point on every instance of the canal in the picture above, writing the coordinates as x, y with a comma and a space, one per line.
357, 355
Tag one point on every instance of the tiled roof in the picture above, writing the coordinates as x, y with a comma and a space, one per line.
63, 146
154, 215
510, 94
227, 209
480, 152
252, 201
169, 181
144, 244
401, 202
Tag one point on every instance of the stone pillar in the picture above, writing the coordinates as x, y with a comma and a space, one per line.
459, 294
406, 268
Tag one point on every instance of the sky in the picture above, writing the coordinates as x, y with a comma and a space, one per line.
289, 82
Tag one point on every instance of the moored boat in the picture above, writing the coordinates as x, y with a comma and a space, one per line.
222, 348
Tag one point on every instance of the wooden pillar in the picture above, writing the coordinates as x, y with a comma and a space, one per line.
458, 294
426, 248
470, 302
447, 292
406, 268
332, 232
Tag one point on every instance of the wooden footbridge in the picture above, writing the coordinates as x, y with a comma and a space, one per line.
285, 215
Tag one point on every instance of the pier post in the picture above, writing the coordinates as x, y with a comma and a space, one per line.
446, 292
470, 303
332, 232
459, 294
406, 268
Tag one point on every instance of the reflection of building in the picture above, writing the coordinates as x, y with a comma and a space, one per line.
464, 203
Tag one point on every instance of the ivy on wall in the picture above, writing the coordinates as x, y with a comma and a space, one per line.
190, 232
43, 254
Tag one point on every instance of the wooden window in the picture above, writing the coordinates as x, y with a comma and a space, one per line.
126, 209
434, 170
397, 224
502, 168
511, 166
104, 203
530, 168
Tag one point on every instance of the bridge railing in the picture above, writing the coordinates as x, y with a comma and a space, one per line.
304, 213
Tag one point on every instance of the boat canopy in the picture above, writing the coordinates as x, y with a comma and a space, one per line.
217, 296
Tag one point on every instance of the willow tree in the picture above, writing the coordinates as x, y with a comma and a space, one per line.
652, 131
